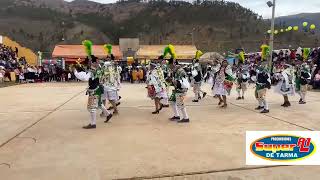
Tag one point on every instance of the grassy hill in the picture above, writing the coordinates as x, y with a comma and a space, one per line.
216, 25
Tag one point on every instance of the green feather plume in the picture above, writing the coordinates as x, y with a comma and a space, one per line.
264, 52
198, 54
88, 47
306, 52
108, 48
166, 51
241, 56
170, 50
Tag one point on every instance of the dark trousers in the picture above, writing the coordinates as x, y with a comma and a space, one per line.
316, 85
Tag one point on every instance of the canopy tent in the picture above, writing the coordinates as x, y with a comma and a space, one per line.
184, 52
72, 53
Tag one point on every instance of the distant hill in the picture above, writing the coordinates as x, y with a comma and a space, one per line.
312, 18
216, 25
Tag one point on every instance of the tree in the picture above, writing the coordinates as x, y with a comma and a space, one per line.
40, 38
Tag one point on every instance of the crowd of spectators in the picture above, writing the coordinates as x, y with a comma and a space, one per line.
18, 70
135, 73
9, 62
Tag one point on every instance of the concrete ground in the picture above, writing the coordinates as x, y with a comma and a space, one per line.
41, 136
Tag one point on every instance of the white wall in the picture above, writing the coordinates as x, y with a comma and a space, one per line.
132, 43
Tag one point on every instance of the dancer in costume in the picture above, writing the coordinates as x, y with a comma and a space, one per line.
303, 76
212, 71
94, 91
263, 83
111, 84
242, 80
278, 67
181, 85
285, 85
156, 87
197, 78
162, 71
178, 78
223, 83
118, 70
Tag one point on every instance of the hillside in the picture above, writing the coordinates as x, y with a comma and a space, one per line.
298, 18
216, 25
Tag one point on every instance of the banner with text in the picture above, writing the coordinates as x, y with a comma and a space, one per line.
282, 147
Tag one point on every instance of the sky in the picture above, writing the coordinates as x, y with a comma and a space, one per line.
283, 7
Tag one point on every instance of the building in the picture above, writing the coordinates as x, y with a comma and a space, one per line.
129, 46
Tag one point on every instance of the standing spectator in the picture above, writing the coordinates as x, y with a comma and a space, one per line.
54, 73
293, 54
316, 83
130, 75
140, 75
134, 74
69, 76
46, 75
16, 51
51, 78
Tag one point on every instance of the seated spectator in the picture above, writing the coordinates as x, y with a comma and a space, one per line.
21, 77
17, 72
2, 73
7, 77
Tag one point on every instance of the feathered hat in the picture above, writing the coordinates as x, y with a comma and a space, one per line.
170, 50
88, 47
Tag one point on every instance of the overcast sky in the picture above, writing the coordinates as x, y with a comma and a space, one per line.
284, 7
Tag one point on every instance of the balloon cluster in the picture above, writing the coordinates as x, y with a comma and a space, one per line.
305, 27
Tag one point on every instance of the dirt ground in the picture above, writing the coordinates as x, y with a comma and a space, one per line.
41, 136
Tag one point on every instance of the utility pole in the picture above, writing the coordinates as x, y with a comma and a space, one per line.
273, 5
192, 35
